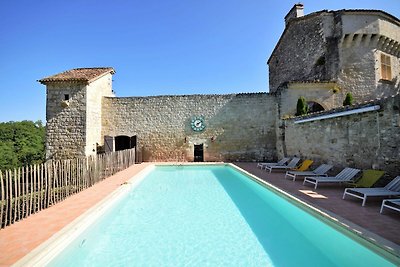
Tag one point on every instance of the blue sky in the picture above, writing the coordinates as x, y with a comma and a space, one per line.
156, 47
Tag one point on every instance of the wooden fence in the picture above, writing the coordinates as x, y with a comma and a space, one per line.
27, 190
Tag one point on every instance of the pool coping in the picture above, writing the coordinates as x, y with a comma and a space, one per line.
44, 253
387, 249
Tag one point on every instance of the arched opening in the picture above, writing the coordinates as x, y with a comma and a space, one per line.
314, 107
122, 142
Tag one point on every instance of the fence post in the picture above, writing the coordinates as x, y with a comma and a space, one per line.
41, 195
26, 196
18, 180
2, 199
34, 190
46, 184
10, 196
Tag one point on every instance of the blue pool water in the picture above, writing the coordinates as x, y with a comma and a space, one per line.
211, 216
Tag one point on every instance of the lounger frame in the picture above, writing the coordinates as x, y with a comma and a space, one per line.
393, 201
320, 171
292, 164
346, 175
282, 162
391, 189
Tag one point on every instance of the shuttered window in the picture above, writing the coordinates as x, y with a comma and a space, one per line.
386, 68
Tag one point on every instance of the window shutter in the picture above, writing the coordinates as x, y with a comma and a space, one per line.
108, 144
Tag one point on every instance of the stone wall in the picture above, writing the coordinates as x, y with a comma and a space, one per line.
366, 140
328, 95
95, 92
66, 120
386, 88
365, 36
360, 72
306, 51
238, 126
357, 72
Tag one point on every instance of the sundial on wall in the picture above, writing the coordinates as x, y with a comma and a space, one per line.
197, 124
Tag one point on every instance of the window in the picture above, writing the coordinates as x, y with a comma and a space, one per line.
386, 69
66, 97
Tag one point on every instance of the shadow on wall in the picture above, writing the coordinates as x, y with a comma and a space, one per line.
386, 87
366, 140
238, 127
243, 129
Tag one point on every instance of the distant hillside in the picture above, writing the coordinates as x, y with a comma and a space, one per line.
21, 143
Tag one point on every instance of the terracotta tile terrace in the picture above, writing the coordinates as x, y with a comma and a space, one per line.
21, 238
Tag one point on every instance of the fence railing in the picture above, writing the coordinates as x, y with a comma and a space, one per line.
26, 190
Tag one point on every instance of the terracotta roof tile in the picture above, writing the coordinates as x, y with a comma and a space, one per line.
85, 75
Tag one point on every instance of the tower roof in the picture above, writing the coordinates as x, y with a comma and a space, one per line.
85, 75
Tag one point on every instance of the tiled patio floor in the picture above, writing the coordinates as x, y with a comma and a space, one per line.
329, 197
19, 239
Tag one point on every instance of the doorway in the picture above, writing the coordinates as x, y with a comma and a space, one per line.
198, 153
120, 142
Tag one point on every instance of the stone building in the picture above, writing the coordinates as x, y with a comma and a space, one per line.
320, 56
74, 111
325, 54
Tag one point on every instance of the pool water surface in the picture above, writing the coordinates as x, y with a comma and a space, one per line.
211, 216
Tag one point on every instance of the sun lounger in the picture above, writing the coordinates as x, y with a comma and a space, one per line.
304, 165
292, 164
320, 171
346, 175
393, 204
282, 162
368, 178
391, 189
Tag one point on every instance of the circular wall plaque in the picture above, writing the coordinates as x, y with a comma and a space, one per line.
197, 124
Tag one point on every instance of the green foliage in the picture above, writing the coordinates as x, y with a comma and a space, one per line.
21, 144
302, 107
348, 100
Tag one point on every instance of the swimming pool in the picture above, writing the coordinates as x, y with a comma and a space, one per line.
214, 216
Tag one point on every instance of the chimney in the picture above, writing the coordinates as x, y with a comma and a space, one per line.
297, 11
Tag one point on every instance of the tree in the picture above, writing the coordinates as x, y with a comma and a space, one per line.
21, 144
302, 107
348, 101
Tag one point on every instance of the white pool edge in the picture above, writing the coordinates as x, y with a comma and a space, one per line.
378, 244
48, 250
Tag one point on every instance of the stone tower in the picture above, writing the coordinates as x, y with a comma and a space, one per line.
326, 54
73, 111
